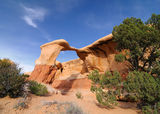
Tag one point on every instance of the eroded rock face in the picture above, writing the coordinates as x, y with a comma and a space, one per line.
99, 55
50, 51
43, 73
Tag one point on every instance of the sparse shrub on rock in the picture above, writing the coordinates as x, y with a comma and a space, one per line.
119, 57
107, 87
79, 95
63, 107
73, 109
140, 87
11, 80
37, 88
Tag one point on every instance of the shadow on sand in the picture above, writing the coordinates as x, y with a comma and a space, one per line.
66, 85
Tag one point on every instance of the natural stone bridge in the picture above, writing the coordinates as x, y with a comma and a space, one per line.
98, 55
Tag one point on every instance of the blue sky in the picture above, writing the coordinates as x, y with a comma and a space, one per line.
27, 24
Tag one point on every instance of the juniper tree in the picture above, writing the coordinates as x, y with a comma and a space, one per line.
141, 40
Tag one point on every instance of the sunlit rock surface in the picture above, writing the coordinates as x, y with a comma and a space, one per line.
98, 55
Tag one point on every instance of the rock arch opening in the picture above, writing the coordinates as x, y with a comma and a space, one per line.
71, 63
65, 56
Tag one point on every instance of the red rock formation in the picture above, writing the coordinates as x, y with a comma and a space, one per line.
99, 55
43, 73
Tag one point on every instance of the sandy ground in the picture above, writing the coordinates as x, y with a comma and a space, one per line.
88, 104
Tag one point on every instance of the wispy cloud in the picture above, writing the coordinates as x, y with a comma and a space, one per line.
32, 15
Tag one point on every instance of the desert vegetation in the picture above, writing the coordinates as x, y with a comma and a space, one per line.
37, 88
12, 81
79, 95
120, 57
106, 86
140, 87
138, 44
140, 41
21, 104
64, 107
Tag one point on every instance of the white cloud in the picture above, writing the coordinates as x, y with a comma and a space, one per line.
33, 14
29, 21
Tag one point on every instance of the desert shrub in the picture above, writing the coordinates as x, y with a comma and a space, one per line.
11, 80
119, 58
79, 95
148, 109
140, 87
107, 87
73, 109
94, 76
37, 88
145, 88
49, 103
156, 69
21, 104
63, 107
130, 98
25, 75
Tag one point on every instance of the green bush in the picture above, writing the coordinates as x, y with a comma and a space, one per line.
119, 58
145, 88
140, 87
79, 95
37, 88
107, 87
94, 76
73, 109
130, 98
147, 110
156, 69
11, 80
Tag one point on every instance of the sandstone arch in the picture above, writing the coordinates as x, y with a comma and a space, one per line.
98, 55
51, 50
